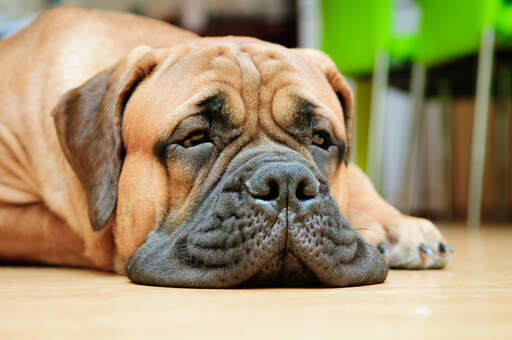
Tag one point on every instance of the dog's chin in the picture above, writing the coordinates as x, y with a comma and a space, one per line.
286, 270
236, 240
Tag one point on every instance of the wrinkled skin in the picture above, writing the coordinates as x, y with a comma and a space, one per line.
243, 233
253, 167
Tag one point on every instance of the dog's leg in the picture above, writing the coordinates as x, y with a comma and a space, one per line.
32, 233
406, 241
29, 231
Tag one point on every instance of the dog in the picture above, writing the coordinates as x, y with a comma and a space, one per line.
130, 145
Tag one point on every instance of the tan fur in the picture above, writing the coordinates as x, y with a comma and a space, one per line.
38, 185
32, 166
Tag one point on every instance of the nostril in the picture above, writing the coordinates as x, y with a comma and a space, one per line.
287, 184
305, 192
270, 192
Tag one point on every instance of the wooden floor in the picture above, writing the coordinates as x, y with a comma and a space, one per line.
471, 299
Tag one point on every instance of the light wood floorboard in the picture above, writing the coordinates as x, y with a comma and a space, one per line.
470, 299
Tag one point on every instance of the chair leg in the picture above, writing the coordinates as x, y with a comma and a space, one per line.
377, 119
502, 118
446, 102
483, 89
418, 81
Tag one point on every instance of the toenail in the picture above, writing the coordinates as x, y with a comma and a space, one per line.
383, 249
445, 249
425, 249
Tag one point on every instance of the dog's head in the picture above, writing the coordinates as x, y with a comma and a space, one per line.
221, 162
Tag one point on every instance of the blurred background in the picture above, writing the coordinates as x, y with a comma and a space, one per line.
432, 81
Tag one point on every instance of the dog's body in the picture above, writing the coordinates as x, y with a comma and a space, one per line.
73, 193
68, 46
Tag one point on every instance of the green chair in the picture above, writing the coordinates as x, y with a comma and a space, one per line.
453, 29
358, 36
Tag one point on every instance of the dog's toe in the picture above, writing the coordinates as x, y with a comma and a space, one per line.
409, 243
383, 249
418, 244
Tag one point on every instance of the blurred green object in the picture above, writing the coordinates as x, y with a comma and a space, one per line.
453, 28
359, 37
355, 31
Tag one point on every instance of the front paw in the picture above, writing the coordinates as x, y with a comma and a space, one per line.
407, 242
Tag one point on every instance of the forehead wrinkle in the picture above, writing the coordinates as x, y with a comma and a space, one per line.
292, 93
271, 68
174, 56
192, 106
276, 75
250, 82
323, 92
193, 58
225, 70
315, 89
182, 77
310, 77
161, 117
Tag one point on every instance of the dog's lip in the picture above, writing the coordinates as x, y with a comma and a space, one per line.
282, 254
280, 278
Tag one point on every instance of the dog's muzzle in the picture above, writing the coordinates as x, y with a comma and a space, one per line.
269, 221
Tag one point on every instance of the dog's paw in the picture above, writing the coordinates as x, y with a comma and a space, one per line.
408, 242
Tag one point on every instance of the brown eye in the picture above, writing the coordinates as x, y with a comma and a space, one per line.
195, 138
320, 139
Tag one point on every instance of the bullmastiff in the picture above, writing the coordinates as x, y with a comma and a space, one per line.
129, 145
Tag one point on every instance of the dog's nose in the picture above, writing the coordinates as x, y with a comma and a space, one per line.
283, 183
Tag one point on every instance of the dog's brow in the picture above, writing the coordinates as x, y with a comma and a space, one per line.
300, 124
304, 113
306, 105
214, 107
218, 113
213, 104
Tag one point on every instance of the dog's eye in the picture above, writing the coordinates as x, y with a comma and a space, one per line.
321, 139
195, 138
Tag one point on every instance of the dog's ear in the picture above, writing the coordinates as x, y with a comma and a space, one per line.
88, 124
339, 85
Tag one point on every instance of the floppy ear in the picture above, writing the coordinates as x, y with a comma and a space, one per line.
339, 85
88, 123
